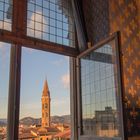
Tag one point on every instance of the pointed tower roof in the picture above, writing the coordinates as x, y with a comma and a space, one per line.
46, 91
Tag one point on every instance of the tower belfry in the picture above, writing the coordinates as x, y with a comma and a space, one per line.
45, 105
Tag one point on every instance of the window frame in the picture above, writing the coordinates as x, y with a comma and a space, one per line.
116, 37
18, 34
17, 37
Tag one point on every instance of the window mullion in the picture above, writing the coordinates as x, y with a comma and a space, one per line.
73, 99
14, 93
19, 20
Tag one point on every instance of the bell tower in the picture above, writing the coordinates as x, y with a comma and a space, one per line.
45, 105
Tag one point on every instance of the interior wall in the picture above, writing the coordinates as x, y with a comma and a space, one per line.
104, 17
124, 17
96, 14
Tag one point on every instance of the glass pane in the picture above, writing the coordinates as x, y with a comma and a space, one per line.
45, 96
6, 7
52, 21
100, 93
4, 86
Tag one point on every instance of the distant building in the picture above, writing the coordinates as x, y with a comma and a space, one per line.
62, 127
103, 124
38, 133
46, 105
106, 122
63, 135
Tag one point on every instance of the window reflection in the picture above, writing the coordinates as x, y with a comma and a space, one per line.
51, 21
100, 115
6, 14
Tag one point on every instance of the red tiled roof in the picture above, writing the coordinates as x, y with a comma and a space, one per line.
53, 129
26, 135
65, 134
45, 131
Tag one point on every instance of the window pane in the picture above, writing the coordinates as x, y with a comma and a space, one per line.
45, 95
4, 86
100, 93
51, 18
6, 14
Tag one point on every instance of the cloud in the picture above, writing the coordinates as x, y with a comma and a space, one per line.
66, 80
35, 26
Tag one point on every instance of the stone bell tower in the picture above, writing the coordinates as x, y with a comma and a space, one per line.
45, 105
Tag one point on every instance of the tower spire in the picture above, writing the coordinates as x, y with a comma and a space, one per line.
46, 91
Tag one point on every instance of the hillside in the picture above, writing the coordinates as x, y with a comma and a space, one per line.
37, 121
3, 122
61, 119
54, 119
30, 121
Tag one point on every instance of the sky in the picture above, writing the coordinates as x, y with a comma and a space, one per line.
4, 78
36, 67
